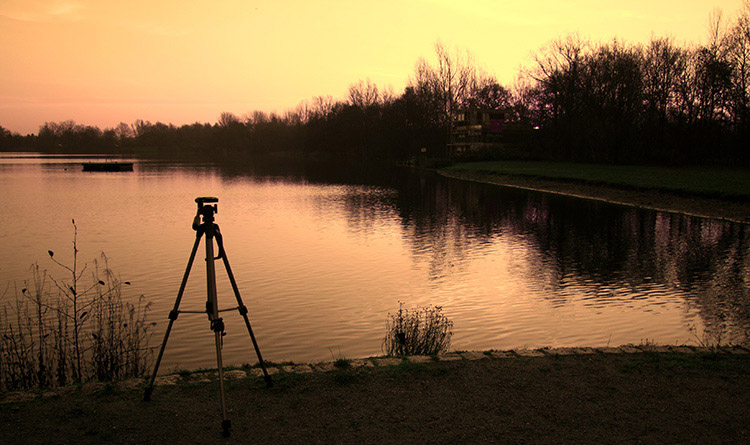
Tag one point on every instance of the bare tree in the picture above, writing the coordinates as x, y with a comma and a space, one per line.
523, 100
322, 106
663, 63
738, 55
227, 119
256, 118
558, 73
714, 71
488, 93
387, 95
140, 127
303, 111
123, 131
453, 77
363, 94
452, 83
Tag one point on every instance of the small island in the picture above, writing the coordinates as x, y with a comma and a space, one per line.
108, 167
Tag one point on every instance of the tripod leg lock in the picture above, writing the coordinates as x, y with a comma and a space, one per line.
219, 242
217, 325
242, 309
173, 315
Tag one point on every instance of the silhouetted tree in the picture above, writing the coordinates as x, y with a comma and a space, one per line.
450, 83
611, 97
488, 93
608, 102
5, 139
123, 132
558, 74
363, 94
322, 106
227, 119
663, 66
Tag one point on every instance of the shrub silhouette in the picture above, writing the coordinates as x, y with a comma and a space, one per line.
420, 331
56, 332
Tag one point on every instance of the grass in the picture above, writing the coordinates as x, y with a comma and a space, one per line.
407, 369
342, 363
420, 331
677, 362
57, 331
722, 182
345, 376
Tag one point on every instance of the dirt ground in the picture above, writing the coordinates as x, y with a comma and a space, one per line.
596, 398
737, 211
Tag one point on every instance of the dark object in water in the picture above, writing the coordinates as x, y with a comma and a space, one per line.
108, 167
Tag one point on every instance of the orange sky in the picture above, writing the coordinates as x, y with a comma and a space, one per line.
100, 62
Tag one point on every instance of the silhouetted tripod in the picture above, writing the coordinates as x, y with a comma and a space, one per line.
211, 230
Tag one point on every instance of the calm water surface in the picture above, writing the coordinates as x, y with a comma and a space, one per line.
322, 255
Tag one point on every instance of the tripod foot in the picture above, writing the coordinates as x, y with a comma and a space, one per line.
269, 382
147, 394
226, 426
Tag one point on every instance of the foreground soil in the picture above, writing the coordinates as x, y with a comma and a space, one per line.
737, 211
596, 398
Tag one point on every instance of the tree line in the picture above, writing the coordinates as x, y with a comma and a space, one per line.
659, 103
581, 101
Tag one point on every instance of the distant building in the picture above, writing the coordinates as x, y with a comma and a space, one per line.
475, 129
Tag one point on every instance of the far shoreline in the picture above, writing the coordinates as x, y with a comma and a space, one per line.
691, 205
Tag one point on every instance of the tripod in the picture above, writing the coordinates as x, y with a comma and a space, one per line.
211, 230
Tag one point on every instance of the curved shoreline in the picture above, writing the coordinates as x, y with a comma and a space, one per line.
696, 206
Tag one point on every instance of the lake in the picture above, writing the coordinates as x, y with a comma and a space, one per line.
322, 254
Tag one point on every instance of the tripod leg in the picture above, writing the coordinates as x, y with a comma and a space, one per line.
217, 324
243, 312
226, 424
172, 317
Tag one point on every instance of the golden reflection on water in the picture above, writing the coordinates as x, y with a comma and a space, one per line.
320, 260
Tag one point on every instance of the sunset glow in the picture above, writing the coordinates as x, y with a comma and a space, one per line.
102, 62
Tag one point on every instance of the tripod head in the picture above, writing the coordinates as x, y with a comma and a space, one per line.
204, 210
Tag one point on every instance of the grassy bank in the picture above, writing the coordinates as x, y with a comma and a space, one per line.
583, 398
712, 192
716, 182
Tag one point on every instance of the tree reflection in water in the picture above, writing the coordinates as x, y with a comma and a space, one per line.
568, 242
582, 240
